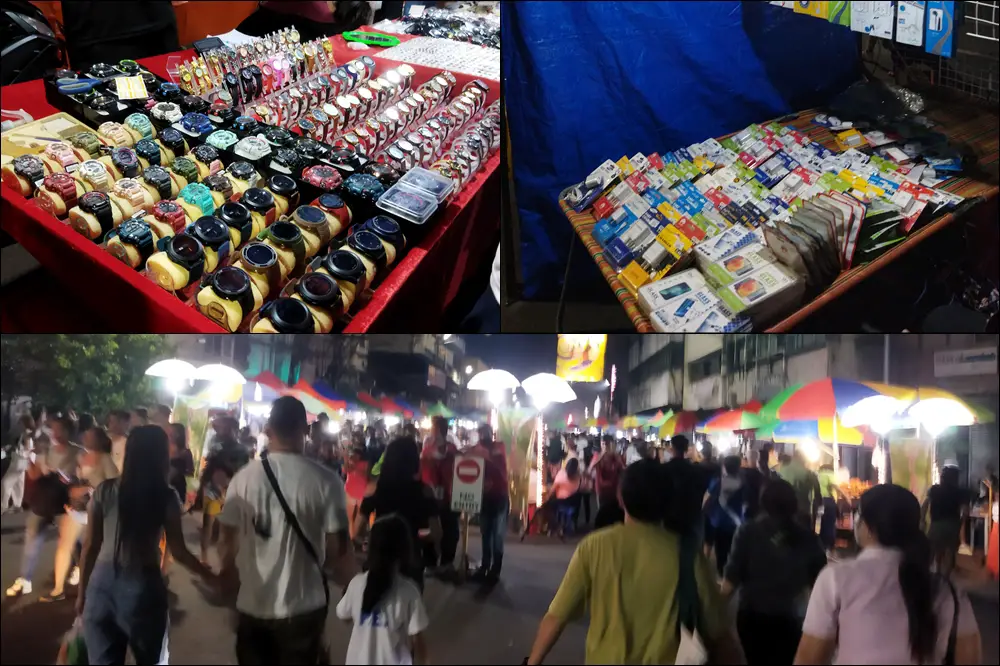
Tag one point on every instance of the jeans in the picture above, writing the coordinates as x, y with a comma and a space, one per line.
828, 523
36, 531
493, 526
125, 610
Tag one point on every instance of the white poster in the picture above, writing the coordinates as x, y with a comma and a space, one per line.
910, 23
467, 485
965, 362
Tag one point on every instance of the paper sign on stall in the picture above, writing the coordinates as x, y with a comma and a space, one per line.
467, 485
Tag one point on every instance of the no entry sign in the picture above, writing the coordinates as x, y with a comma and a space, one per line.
467, 485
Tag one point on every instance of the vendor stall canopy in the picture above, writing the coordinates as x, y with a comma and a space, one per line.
584, 82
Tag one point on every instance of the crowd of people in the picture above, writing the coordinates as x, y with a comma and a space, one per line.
689, 532
289, 514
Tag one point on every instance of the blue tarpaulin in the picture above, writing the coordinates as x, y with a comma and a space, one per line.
588, 81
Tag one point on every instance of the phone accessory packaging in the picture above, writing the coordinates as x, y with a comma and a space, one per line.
657, 295
737, 265
874, 18
940, 28
763, 294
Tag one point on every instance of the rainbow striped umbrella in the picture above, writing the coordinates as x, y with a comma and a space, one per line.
821, 430
661, 418
743, 418
678, 423
825, 398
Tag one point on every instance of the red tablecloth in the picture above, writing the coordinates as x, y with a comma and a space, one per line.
413, 297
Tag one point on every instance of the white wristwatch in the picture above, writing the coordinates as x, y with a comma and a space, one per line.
252, 148
116, 132
130, 190
95, 174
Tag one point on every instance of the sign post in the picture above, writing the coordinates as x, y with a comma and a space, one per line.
467, 497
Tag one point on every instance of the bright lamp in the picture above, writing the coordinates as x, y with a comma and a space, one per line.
493, 380
172, 368
218, 373
552, 387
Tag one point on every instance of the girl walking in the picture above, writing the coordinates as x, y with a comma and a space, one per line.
385, 606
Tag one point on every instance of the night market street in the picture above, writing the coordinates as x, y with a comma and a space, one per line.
463, 630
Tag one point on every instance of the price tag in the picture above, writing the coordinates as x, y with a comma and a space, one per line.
131, 87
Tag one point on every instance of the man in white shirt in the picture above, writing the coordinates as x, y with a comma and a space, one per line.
281, 602
118, 424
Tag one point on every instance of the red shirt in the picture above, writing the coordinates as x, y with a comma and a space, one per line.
357, 480
495, 482
607, 473
437, 469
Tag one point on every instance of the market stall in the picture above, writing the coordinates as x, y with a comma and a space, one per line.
414, 283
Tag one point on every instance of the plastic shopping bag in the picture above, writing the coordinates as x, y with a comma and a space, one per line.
73, 651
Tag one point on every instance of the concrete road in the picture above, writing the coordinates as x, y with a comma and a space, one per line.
466, 627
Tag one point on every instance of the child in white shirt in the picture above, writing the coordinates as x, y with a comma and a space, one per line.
386, 607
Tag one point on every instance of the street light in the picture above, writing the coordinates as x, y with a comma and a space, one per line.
171, 368
468, 369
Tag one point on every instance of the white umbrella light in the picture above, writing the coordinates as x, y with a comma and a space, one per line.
171, 368
936, 414
548, 388
493, 380
218, 373
870, 410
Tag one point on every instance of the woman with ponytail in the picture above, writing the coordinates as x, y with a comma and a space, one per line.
385, 606
885, 606
774, 561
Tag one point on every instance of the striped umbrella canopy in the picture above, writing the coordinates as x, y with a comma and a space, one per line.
633, 421
597, 423
439, 409
389, 406
327, 391
660, 418
742, 418
556, 425
304, 388
271, 381
369, 400
678, 423
825, 398
821, 430
407, 406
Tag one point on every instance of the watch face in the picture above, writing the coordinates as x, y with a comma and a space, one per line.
30, 167
114, 131
131, 190
383, 226
128, 66
168, 92
241, 170
205, 154
140, 124
278, 136
197, 194
364, 187
309, 215
172, 139
170, 213
61, 152
157, 176
221, 139
245, 125
367, 243
330, 201
285, 233
234, 214
102, 102
211, 231
281, 184
259, 255
252, 148
186, 168
62, 184
319, 289
323, 177
101, 70
193, 104
258, 199
197, 123
166, 111
289, 315
344, 265
383, 172
92, 169
230, 282
185, 249
135, 232
126, 161
94, 202
218, 182
87, 141
148, 150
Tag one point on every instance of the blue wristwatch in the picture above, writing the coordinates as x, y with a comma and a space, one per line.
197, 123
199, 195
140, 123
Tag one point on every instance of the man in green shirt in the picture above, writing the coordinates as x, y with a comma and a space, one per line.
627, 576
806, 485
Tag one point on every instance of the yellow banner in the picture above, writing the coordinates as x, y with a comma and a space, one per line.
580, 358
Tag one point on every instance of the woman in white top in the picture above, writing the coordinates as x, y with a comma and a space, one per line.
13, 480
885, 606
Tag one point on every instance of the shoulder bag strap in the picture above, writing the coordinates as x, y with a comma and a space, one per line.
294, 523
949, 655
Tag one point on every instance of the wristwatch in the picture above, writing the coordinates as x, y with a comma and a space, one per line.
346, 266
138, 122
252, 148
245, 126
287, 161
116, 132
236, 216
168, 92
288, 315
218, 182
313, 219
193, 104
198, 194
135, 232
197, 123
101, 70
319, 290
207, 155
186, 168
210, 230
148, 150
221, 113
130, 190
62, 153
88, 142
95, 174
168, 112
261, 259
231, 283
98, 204
126, 161
383, 172
324, 177
173, 140
159, 178
185, 250
368, 245
284, 186
278, 137
170, 213
243, 171
221, 139
64, 185
104, 103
